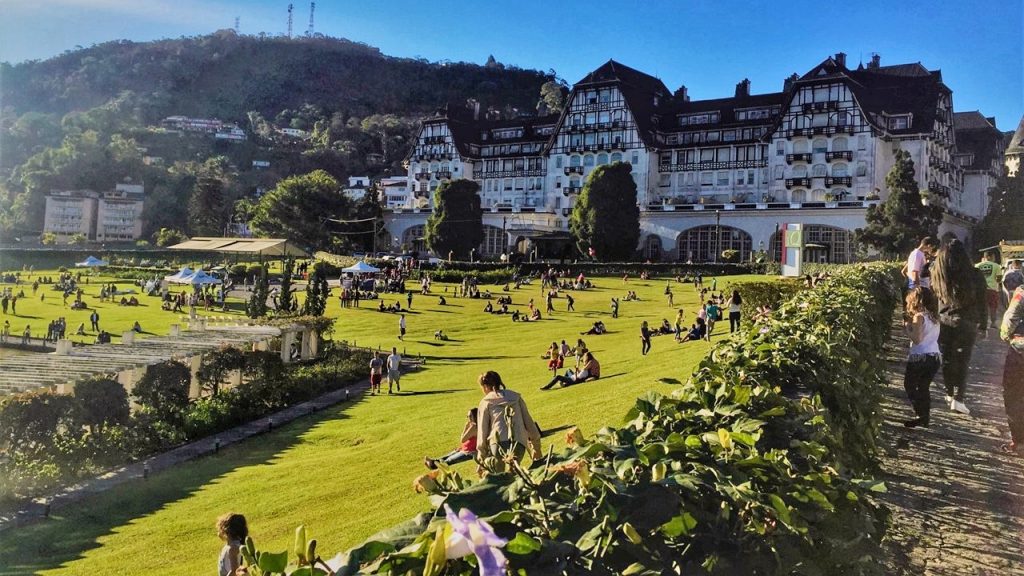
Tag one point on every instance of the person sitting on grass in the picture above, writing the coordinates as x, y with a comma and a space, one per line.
440, 335
591, 370
103, 337
137, 328
467, 447
441, 301
697, 331
233, 530
535, 315
665, 328
380, 306
596, 330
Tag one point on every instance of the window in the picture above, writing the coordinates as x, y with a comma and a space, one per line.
779, 172
558, 161
843, 118
588, 160
800, 171
901, 122
636, 158
494, 241
862, 169
800, 147
819, 171
707, 155
712, 136
706, 243
707, 178
798, 195
862, 142
723, 154
616, 157
729, 136
664, 180
605, 95
818, 194
840, 144
574, 160
820, 146
839, 170
602, 159
780, 148
723, 178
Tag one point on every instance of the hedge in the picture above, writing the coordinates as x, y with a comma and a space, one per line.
759, 464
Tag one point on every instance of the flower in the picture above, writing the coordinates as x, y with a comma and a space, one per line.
471, 535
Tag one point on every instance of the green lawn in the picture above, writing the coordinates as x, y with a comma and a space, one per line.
346, 472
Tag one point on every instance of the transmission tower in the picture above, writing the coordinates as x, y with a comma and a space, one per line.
290, 8
312, 8
236, 24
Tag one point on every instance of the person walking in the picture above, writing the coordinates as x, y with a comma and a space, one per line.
645, 338
5, 332
376, 367
26, 336
401, 327
680, 319
923, 360
669, 295
1012, 278
735, 304
94, 320
408, 299
917, 268
569, 302
1011, 330
505, 428
963, 315
550, 302
615, 307
394, 363
714, 315
993, 274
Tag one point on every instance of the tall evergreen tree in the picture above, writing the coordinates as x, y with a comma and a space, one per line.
457, 222
897, 225
316, 292
1005, 218
296, 207
606, 217
206, 212
257, 306
285, 300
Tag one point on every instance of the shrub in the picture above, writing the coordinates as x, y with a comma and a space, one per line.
163, 391
770, 294
48, 239
103, 401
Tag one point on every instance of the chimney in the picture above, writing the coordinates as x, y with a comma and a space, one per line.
841, 59
876, 60
743, 89
682, 94
788, 84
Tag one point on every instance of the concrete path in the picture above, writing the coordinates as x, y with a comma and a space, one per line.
957, 500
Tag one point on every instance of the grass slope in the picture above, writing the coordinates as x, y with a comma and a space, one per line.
346, 472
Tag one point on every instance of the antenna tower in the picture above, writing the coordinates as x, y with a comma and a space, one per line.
236, 24
312, 8
290, 8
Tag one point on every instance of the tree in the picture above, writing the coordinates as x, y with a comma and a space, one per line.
78, 239
317, 291
103, 401
206, 213
552, 97
169, 237
606, 217
897, 225
257, 305
30, 422
163, 391
297, 208
285, 300
48, 239
1005, 218
457, 222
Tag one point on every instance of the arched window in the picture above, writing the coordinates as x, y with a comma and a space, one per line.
822, 244
652, 248
840, 144
818, 195
706, 243
616, 156
434, 167
800, 171
574, 183
820, 145
819, 171
574, 160
800, 146
798, 195
588, 160
494, 241
412, 239
839, 170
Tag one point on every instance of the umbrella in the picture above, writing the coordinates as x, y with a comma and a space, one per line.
91, 262
361, 267
200, 278
179, 275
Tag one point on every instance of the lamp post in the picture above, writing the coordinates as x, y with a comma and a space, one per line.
504, 235
718, 234
471, 252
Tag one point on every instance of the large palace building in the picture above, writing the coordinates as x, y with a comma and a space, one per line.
712, 175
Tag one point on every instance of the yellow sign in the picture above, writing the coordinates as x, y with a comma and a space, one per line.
794, 238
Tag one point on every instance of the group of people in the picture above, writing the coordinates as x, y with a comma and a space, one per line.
950, 303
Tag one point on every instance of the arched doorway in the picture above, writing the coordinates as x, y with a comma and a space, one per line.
706, 243
652, 248
822, 243
412, 239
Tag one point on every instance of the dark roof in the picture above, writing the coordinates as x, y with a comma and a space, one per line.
915, 69
1016, 145
977, 135
726, 106
466, 131
612, 72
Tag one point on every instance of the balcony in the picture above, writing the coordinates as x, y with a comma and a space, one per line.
831, 181
443, 174
801, 157
839, 155
576, 148
573, 170
569, 190
433, 140
423, 175
804, 182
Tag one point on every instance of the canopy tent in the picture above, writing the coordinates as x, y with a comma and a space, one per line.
180, 274
200, 278
91, 262
252, 246
361, 267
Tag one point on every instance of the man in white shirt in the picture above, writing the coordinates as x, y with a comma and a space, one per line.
394, 370
916, 268
401, 327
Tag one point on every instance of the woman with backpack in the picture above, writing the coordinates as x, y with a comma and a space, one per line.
505, 428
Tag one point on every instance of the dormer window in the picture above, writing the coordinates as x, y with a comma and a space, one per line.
901, 122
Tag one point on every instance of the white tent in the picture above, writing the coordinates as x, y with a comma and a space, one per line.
179, 275
91, 262
361, 267
200, 278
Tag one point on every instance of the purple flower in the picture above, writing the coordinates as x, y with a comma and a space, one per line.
471, 535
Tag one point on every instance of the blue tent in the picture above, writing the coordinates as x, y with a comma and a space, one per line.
91, 262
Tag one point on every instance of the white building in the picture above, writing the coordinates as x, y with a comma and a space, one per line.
70, 212
979, 154
396, 195
357, 187
113, 216
711, 175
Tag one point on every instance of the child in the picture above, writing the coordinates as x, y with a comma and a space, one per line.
376, 373
465, 451
714, 314
922, 325
233, 530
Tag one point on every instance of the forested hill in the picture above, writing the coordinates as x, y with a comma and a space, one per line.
225, 75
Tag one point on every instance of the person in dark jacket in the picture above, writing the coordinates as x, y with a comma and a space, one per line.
963, 315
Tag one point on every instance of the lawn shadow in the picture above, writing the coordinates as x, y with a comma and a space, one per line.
430, 392
669, 381
465, 358
552, 431
70, 532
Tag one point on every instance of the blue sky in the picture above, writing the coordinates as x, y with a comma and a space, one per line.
706, 44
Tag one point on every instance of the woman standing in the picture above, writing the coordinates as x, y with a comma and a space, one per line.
645, 338
504, 425
960, 290
734, 311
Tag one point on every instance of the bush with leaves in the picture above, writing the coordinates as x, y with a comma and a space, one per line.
103, 401
759, 464
286, 296
316, 292
256, 307
162, 392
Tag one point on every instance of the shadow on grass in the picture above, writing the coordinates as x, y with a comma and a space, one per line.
69, 533
553, 431
429, 392
669, 381
466, 358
